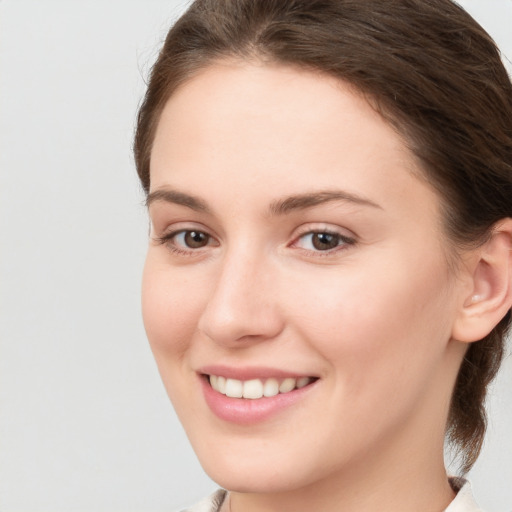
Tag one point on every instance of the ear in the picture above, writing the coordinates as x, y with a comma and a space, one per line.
490, 296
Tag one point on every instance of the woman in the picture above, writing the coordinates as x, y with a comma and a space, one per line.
328, 280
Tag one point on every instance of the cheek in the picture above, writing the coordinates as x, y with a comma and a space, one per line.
382, 337
170, 309
389, 327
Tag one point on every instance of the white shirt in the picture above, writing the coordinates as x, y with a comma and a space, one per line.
464, 501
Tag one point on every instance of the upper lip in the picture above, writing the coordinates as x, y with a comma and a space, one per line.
250, 372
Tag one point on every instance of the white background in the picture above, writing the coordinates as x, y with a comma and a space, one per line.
84, 422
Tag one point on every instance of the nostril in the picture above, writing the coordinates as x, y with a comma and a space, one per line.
239, 326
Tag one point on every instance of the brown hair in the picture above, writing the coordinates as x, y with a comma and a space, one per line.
429, 69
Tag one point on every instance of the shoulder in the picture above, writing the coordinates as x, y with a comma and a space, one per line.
464, 501
210, 504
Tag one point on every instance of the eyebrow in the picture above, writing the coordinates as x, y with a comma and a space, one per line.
175, 197
276, 208
304, 201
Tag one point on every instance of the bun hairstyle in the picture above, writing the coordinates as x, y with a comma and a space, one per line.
428, 68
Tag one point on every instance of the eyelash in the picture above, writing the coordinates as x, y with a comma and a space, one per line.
343, 242
167, 240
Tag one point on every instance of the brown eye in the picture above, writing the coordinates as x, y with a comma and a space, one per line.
195, 239
187, 241
324, 241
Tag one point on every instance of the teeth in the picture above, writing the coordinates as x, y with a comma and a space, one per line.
303, 381
221, 385
234, 388
253, 389
271, 387
287, 385
256, 388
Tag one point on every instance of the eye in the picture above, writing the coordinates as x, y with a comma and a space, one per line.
186, 241
191, 239
322, 241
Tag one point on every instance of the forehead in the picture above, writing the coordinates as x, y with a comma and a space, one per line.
279, 97
293, 129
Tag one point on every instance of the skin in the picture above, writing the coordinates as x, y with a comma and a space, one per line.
372, 318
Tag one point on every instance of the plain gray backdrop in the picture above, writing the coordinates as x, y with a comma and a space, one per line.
85, 424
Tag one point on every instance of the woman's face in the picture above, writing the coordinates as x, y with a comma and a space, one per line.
293, 246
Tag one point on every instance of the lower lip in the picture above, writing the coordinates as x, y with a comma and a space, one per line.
246, 411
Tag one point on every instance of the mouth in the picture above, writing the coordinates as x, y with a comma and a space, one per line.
251, 395
255, 389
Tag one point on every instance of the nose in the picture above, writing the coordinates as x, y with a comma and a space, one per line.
242, 305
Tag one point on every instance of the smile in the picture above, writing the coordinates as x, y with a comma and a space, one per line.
257, 388
246, 396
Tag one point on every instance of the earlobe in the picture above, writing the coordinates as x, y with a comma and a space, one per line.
490, 296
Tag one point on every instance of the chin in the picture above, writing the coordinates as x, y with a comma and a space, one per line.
261, 480
269, 471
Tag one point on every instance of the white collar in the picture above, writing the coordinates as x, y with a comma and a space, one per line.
464, 501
